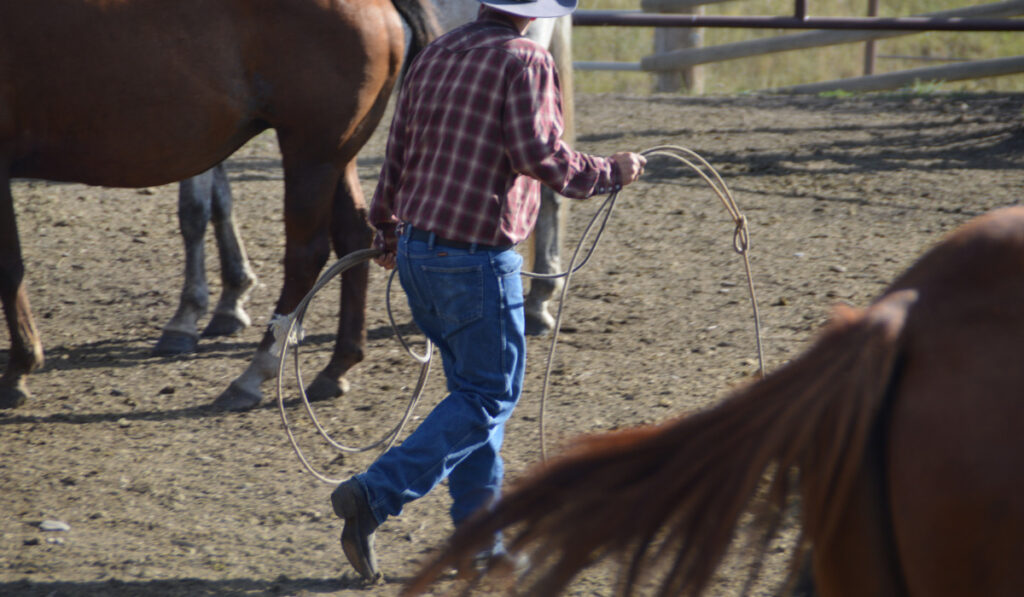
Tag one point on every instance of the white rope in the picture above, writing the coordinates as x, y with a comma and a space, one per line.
295, 320
290, 334
741, 244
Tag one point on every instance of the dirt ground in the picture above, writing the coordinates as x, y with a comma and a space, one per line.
163, 496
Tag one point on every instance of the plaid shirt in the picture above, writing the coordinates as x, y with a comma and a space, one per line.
477, 124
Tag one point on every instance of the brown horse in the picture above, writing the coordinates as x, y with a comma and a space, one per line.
143, 92
206, 199
899, 429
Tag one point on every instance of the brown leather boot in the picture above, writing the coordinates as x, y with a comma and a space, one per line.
350, 503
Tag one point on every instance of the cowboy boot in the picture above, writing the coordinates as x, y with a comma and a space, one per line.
350, 504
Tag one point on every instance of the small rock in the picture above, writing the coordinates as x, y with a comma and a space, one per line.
54, 525
122, 422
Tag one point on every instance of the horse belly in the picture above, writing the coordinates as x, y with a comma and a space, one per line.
120, 94
124, 156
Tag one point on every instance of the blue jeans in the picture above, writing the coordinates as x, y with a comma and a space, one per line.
470, 304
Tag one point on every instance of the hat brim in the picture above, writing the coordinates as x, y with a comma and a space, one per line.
534, 8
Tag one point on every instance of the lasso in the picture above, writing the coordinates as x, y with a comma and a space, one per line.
287, 330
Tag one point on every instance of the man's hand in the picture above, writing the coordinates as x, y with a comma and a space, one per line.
385, 241
387, 260
631, 165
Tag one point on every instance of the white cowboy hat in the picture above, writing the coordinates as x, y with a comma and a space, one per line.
533, 8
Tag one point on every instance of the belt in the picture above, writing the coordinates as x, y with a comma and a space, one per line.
424, 236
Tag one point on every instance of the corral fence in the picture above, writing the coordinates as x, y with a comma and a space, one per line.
678, 51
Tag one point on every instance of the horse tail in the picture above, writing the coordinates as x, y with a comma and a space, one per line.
422, 22
670, 497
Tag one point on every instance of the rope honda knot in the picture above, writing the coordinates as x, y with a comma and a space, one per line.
741, 236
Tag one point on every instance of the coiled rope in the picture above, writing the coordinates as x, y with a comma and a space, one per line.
741, 244
288, 333
287, 330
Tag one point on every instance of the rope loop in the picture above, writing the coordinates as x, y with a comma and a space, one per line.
741, 236
291, 331
741, 244
288, 331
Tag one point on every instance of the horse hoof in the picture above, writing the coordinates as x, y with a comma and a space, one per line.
223, 325
539, 323
175, 343
12, 397
325, 388
237, 398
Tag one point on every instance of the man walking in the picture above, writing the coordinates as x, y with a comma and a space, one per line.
477, 128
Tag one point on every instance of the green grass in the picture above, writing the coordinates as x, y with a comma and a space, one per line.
630, 44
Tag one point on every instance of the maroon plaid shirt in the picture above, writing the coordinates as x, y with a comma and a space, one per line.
477, 124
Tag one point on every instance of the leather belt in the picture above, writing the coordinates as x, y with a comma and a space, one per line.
424, 236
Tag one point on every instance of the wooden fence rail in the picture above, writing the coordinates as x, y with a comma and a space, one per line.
991, 16
962, 71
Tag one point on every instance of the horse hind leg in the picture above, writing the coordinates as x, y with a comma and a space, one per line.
237, 277
204, 198
26, 353
349, 232
180, 335
307, 246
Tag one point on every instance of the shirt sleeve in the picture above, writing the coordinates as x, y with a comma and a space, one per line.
382, 206
533, 128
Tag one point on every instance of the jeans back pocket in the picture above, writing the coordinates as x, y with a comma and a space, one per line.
457, 293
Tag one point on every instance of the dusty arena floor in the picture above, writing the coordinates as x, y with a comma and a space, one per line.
166, 497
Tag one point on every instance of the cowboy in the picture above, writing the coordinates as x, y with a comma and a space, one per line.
477, 129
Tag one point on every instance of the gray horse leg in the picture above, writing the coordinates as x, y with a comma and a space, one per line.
237, 277
546, 260
557, 36
181, 334
201, 199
